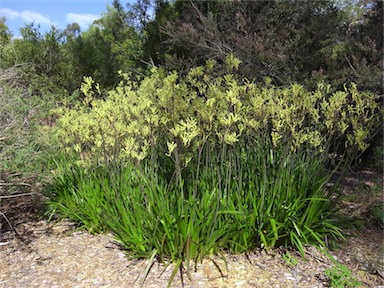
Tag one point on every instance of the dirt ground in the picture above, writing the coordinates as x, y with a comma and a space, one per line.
36, 253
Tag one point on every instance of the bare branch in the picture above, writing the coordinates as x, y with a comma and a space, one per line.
17, 195
15, 184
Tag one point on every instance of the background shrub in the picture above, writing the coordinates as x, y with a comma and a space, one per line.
26, 140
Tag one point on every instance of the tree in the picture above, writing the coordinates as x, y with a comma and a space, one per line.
109, 45
42, 62
5, 34
278, 39
72, 30
358, 54
5, 40
62, 58
155, 46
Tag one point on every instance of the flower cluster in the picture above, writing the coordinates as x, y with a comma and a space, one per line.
181, 114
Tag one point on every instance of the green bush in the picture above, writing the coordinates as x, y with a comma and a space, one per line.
180, 168
186, 114
25, 140
275, 202
276, 199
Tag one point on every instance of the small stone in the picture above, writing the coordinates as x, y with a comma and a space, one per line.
289, 276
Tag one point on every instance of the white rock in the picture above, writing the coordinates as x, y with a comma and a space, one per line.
289, 276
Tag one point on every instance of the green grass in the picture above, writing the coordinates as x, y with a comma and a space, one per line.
257, 200
340, 276
289, 259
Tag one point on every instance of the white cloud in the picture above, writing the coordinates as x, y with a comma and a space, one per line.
30, 16
26, 16
8, 13
84, 20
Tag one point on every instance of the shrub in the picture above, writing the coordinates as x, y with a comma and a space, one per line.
183, 117
275, 201
25, 142
189, 166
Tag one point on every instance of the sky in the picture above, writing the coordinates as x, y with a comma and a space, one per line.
51, 12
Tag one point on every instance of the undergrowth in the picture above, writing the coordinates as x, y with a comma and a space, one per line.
340, 276
276, 198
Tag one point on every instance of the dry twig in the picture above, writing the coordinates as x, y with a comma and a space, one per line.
17, 195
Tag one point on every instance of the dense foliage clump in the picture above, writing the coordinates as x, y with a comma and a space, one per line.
182, 167
178, 116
